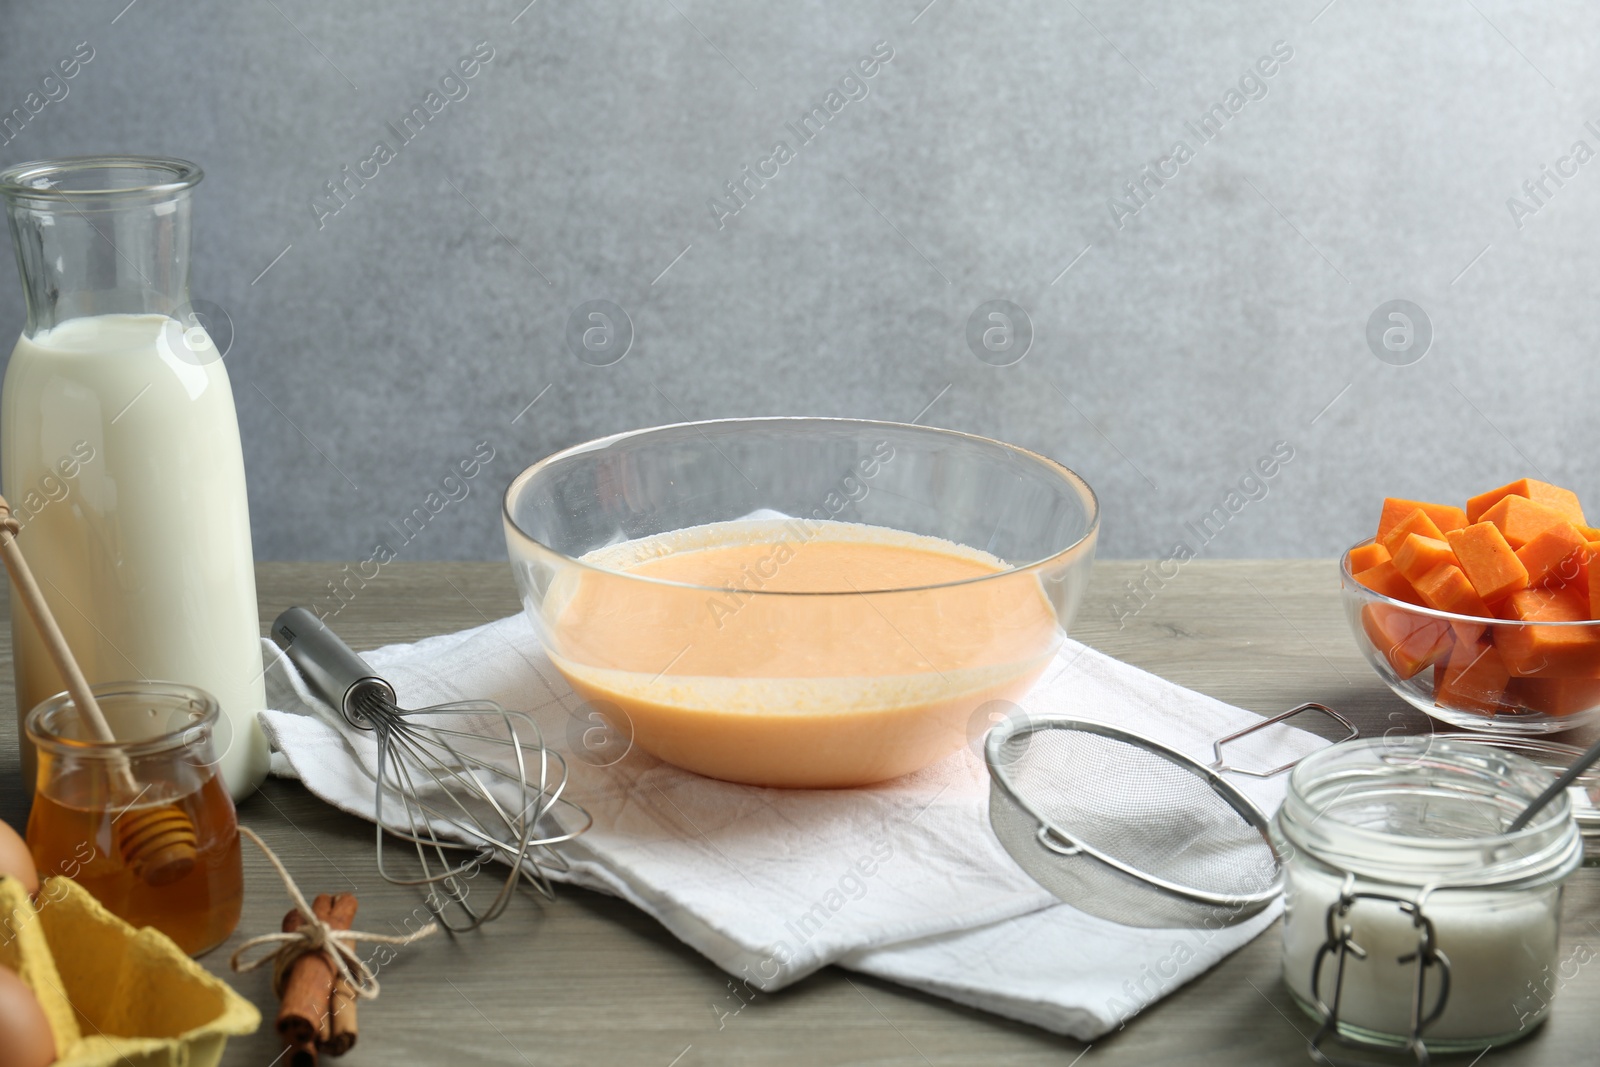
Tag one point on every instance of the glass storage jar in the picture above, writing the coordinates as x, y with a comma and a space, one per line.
104, 810
1411, 918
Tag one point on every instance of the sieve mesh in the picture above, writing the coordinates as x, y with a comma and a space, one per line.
1132, 802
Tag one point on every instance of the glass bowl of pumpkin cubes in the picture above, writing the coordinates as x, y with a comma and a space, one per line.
1483, 617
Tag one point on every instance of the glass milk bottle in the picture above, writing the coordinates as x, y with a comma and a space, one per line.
119, 449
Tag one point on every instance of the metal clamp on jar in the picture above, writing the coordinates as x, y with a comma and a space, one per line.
1414, 920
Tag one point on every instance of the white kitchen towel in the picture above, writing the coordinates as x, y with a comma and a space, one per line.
904, 879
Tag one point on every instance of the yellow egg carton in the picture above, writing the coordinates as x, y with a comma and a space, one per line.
114, 994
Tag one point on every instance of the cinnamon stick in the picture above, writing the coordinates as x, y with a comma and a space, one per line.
342, 1006
305, 1015
302, 1055
342, 1020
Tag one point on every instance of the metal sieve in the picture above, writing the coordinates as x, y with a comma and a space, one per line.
1127, 828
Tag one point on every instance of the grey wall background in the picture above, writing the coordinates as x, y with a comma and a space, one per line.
1227, 314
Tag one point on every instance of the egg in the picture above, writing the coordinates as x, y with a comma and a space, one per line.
16, 861
25, 1037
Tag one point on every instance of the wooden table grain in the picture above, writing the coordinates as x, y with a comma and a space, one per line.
590, 980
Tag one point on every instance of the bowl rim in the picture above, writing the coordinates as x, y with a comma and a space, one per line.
1072, 477
1350, 584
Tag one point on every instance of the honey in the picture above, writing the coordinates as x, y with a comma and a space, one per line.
73, 832
143, 822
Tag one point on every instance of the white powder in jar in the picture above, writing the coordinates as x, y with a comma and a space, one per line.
1501, 947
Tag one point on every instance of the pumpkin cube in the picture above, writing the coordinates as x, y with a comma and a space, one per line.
1488, 560
1410, 642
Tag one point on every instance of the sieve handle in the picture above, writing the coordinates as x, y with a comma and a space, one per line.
1219, 762
330, 668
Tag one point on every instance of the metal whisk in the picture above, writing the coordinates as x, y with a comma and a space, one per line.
468, 777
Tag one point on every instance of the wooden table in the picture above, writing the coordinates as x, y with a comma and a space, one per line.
589, 979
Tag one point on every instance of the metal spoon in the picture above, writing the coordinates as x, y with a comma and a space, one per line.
1556, 788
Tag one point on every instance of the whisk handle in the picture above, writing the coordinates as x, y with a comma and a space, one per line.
330, 668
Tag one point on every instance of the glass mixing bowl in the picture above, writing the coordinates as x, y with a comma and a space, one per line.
815, 689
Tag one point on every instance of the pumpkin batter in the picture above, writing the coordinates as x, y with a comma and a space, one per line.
798, 653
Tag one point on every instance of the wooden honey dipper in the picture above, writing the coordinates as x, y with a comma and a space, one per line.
159, 843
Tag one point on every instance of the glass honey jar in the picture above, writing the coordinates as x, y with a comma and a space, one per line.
144, 823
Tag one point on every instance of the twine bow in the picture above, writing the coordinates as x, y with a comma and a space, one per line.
315, 935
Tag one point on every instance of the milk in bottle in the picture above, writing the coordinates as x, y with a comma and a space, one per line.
119, 449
